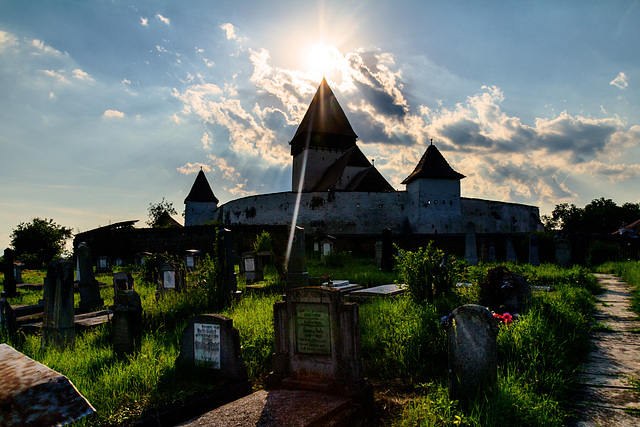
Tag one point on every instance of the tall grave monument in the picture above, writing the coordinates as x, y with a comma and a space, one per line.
58, 327
88, 285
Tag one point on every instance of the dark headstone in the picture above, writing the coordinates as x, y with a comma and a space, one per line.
473, 351
297, 275
89, 287
534, 252
230, 281
503, 291
386, 263
471, 250
102, 265
511, 252
127, 322
7, 318
58, 328
317, 343
9, 275
379, 253
210, 341
122, 282
563, 253
251, 266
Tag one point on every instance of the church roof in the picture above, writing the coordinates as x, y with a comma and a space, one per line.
367, 180
201, 190
432, 165
166, 221
324, 124
371, 180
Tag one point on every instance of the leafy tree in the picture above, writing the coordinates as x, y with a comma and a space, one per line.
39, 241
156, 210
599, 216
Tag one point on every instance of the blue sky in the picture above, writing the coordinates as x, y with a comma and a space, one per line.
108, 106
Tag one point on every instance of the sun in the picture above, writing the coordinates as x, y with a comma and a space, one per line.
322, 60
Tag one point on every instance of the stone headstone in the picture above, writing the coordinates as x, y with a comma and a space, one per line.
504, 291
17, 272
58, 328
34, 395
386, 262
297, 275
317, 343
563, 253
191, 259
103, 265
230, 280
492, 252
471, 250
511, 252
534, 252
379, 253
126, 322
251, 266
8, 319
210, 341
9, 283
170, 278
473, 351
122, 282
89, 287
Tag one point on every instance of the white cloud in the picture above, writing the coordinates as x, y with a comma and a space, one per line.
7, 40
191, 168
81, 75
230, 31
620, 81
57, 75
163, 19
113, 114
207, 141
144, 21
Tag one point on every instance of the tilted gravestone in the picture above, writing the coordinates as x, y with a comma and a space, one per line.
297, 275
471, 250
473, 351
58, 327
89, 287
210, 341
317, 343
126, 322
9, 283
504, 291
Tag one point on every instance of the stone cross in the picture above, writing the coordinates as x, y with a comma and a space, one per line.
89, 287
58, 327
473, 351
9, 275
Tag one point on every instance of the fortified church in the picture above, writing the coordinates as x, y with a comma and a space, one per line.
342, 193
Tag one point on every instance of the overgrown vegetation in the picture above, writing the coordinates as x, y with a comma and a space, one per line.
39, 241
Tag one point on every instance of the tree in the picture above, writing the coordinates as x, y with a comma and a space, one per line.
599, 216
156, 210
39, 241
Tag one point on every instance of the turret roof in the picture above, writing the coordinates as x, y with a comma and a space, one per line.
432, 165
201, 190
324, 123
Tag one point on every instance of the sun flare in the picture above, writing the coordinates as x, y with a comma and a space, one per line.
322, 60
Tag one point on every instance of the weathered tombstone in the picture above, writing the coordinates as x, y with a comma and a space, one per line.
317, 343
10, 290
563, 253
297, 275
251, 266
122, 282
8, 319
191, 258
210, 341
127, 322
534, 253
89, 287
102, 266
170, 277
473, 351
119, 262
503, 291
326, 246
34, 395
379, 253
511, 252
58, 328
386, 263
471, 251
230, 281
17, 272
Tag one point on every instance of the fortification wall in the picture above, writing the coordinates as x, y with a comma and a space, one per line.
500, 217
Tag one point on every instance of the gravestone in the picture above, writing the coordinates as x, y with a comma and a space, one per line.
386, 263
170, 278
34, 395
471, 250
297, 275
492, 252
379, 253
210, 341
122, 282
251, 266
511, 252
326, 246
58, 328
230, 280
89, 287
9, 283
17, 272
317, 343
8, 319
102, 266
534, 253
473, 351
191, 259
504, 291
563, 253
126, 322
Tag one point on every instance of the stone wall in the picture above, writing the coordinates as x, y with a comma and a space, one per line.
500, 217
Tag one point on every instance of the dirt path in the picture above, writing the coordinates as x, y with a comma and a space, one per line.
606, 398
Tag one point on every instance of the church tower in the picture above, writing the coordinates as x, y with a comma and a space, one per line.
434, 191
323, 136
201, 203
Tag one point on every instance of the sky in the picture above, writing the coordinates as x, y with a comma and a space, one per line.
109, 106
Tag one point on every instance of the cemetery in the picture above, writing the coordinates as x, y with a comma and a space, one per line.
414, 337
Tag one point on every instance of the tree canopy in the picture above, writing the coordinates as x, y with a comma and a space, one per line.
600, 216
157, 211
39, 241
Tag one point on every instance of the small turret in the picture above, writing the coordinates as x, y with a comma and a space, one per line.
201, 203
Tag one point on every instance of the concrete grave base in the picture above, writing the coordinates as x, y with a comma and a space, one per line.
284, 408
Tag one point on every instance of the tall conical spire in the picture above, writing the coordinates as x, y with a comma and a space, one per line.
201, 190
324, 124
432, 165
